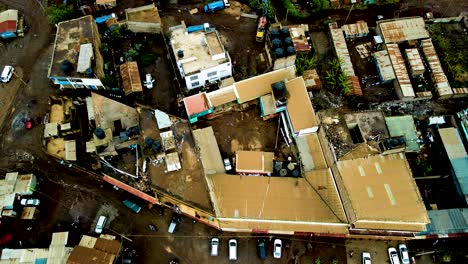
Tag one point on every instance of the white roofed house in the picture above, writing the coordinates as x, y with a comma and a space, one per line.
199, 54
76, 59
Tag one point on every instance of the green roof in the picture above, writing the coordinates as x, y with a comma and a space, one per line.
403, 126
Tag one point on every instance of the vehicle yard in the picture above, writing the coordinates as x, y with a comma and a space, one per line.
303, 166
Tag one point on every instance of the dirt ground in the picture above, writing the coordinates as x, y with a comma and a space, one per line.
244, 130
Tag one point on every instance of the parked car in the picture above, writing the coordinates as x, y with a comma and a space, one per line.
404, 254
232, 249
393, 255
175, 220
100, 224
7, 73
261, 246
214, 246
227, 164
30, 202
133, 206
128, 255
366, 259
148, 81
277, 245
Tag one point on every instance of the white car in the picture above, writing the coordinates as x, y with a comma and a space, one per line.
7, 73
30, 202
393, 255
404, 254
214, 246
232, 249
227, 164
149, 81
101, 223
277, 248
366, 259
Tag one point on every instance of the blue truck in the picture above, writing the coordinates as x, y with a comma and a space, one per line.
216, 5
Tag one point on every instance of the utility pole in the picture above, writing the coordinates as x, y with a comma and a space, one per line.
349, 13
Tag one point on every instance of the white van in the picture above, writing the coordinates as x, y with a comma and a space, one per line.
232, 249
7, 73
214, 246
100, 224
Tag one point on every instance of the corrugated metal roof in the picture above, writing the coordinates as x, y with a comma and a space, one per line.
356, 30
400, 70
341, 50
438, 76
398, 30
384, 65
448, 221
415, 61
458, 157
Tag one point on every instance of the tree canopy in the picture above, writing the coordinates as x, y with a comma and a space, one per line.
59, 13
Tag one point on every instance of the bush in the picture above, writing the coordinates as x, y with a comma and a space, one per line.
59, 13
292, 10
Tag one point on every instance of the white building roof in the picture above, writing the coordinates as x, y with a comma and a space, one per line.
202, 49
173, 162
162, 119
85, 57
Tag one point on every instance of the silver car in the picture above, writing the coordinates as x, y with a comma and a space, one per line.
30, 202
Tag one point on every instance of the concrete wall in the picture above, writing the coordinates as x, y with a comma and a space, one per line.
144, 27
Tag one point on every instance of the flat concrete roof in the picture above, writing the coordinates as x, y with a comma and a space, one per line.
70, 36
382, 189
254, 161
300, 110
222, 96
257, 86
147, 13
106, 111
201, 49
209, 151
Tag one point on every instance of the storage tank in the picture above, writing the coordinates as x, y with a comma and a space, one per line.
279, 53
276, 43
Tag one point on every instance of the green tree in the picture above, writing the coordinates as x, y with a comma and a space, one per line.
319, 5
59, 13
109, 81
317, 260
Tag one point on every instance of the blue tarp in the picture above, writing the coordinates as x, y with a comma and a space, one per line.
7, 35
103, 19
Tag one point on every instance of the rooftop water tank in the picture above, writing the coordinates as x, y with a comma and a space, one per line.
99, 133
288, 41
279, 53
276, 43
180, 54
274, 33
285, 32
290, 51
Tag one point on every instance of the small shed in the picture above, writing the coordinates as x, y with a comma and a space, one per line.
197, 106
357, 30
143, 19
131, 82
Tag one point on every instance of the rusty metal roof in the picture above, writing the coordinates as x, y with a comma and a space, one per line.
355, 30
131, 81
398, 30
400, 70
439, 78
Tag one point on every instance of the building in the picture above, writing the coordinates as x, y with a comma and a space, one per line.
402, 82
299, 108
254, 162
57, 252
15, 184
404, 126
197, 106
439, 79
415, 62
357, 30
399, 30
131, 82
384, 66
280, 48
447, 223
76, 59
143, 19
92, 6
341, 51
458, 158
380, 195
104, 249
8, 23
300, 38
200, 56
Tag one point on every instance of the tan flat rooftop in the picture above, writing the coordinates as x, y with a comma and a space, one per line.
401, 29
106, 111
209, 151
222, 96
70, 36
311, 199
254, 161
202, 50
147, 13
382, 189
300, 110
257, 86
